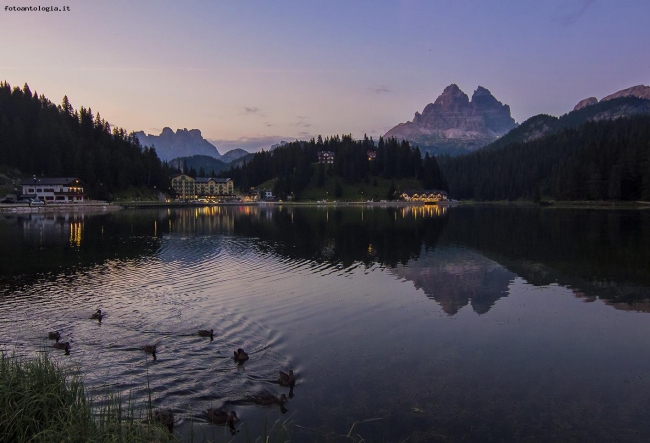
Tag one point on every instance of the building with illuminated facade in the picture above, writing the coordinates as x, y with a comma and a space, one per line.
53, 190
211, 189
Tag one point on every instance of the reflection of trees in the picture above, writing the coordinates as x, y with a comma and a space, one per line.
344, 236
596, 252
55, 242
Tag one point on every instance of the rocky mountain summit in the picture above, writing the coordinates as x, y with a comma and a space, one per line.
183, 143
639, 91
455, 124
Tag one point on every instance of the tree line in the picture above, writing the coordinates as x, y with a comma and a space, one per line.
292, 164
40, 138
602, 160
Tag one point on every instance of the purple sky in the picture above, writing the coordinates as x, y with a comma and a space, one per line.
250, 73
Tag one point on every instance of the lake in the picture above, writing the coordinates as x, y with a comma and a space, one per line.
419, 324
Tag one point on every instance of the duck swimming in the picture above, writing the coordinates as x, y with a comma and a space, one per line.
221, 417
62, 345
150, 349
287, 379
206, 333
97, 315
240, 355
54, 335
265, 398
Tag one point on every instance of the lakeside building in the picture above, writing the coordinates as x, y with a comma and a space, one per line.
211, 189
424, 195
53, 190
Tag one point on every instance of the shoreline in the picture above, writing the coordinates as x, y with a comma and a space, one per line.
100, 206
25, 208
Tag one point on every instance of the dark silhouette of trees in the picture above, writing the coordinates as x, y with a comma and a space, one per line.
40, 138
293, 164
604, 160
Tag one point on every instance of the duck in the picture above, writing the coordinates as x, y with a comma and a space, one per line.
62, 345
287, 379
150, 349
240, 355
54, 335
265, 398
165, 417
97, 315
206, 333
221, 417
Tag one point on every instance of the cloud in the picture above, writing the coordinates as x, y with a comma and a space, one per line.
302, 122
380, 90
573, 15
253, 111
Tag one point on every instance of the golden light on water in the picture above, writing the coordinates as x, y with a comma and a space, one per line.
75, 233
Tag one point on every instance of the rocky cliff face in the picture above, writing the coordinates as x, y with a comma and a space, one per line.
584, 103
183, 143
455, 124
639, 91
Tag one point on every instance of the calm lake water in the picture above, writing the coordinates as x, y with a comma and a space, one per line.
417, 324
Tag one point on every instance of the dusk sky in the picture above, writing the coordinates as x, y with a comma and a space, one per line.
252, 73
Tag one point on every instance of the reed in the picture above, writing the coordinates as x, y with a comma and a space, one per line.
41, 402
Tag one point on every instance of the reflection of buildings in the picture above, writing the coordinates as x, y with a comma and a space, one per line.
203, 220
455, 277
50, 228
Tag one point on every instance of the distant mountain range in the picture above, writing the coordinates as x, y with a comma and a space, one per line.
454, 125
185, 143
625, 103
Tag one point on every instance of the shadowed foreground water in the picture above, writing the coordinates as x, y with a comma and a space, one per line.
474, 324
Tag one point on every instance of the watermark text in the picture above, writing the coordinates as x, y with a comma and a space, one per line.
37, 8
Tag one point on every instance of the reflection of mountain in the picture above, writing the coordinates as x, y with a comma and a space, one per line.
596, 253
454, 277
621, 295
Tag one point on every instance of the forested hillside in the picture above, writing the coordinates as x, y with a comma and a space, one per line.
604, 160
291, 165
40, 138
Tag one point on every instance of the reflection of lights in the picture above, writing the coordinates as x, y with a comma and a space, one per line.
155, 228
75, 234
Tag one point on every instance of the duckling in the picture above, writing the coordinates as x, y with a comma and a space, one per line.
54, 335
265, 398
150, 349
62, 345
221, 417
287, 379
206, 333
97, 315
165, 417
240, 355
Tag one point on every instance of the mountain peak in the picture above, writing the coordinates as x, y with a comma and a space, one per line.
454, 124
183, 143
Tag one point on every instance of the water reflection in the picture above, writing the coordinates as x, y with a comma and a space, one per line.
461, 322
603, 254
455, 277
